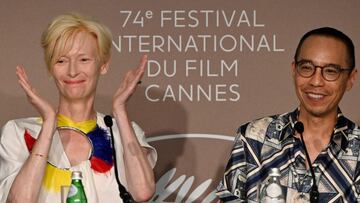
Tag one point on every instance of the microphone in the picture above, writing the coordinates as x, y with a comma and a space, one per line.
108, 121
314, 193
124, 194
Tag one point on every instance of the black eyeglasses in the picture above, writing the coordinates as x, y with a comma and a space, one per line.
330, 72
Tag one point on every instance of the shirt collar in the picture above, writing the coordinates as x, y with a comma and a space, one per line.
339, 135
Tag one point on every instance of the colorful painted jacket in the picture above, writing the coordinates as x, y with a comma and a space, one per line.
18, 136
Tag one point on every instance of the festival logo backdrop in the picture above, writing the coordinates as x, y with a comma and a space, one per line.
213, 65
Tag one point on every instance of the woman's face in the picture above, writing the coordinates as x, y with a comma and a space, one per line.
76, 73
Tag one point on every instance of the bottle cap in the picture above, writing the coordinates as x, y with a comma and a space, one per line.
274, 172
76, 175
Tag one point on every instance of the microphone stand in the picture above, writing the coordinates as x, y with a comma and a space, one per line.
314, 193
124, 194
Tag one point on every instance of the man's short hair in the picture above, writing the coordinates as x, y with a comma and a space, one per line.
333, 33
58, 37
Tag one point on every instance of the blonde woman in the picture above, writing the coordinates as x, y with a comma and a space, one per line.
37, 155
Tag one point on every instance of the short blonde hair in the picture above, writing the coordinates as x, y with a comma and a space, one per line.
59, 36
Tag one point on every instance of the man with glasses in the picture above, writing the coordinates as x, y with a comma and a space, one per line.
316, 148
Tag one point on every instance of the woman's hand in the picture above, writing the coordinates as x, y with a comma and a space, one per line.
138, 172
28, 181
128, 85
47, 112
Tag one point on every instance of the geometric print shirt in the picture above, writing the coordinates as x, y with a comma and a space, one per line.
270, 142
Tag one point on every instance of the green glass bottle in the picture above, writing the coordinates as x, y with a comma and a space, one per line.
76, 192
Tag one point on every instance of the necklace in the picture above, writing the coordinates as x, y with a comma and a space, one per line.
101, 156
84, 126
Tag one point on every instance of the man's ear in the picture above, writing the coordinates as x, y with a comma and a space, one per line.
351, 79
293, 69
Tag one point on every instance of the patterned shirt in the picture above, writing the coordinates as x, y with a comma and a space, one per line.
270, 143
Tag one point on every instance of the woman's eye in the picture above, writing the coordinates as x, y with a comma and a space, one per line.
61, 60
84, 59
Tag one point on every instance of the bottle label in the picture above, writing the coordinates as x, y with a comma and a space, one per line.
273, 190
72, 191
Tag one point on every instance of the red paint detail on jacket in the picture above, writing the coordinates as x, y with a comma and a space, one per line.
99, 165
29, 140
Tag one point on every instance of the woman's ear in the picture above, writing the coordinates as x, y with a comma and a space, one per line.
104, 68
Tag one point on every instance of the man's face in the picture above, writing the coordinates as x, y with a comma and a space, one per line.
318, 97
